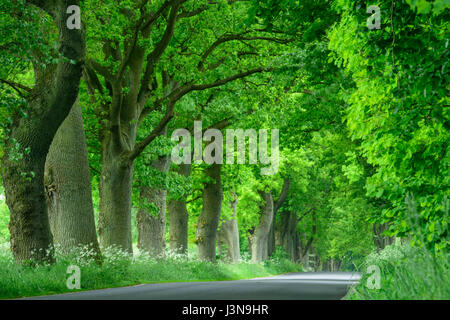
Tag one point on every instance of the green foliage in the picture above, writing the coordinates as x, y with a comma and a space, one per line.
330, 199
4, 220
22, 35
27, 39
311, 17
398, 110
363, 118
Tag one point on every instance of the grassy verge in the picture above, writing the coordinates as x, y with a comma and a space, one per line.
118, 269
405, 274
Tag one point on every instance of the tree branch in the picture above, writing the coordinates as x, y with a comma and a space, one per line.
140, 146
154, 56
314, 230
16, 86
193, 199
91, 79
189, 14
151, 18
234, 37
191, 87
173, 97
116, 109
305, 214
283, 195
100, 69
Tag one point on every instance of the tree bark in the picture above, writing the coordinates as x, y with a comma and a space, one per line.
304, 250
178, 219
151, 228
379, 239
114, 220
286, 234
260, 237
276, 206
210, 215
29, 139
229, 234
68, 186
271, 242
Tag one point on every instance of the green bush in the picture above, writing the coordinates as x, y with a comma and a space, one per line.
405, 273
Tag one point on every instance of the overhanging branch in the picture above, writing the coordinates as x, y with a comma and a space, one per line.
16, 86
283, 195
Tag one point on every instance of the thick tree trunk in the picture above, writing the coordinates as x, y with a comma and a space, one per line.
301, 244
229, 235
306, 245
178, 219
276, 206
271, 242
152, 228
286, 234
114, 221
25, 196
29, 139
260, 238
68, 186
210, 215
178, 226
116, 180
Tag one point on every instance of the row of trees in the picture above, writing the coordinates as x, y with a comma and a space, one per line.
96, 107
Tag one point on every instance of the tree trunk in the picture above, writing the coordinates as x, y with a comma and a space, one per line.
379, 239
271, 243
249, 240
114, 220
152, 228
260, 237
308, 247
286, 234
29, 139
25, 196
276, 206
210, 215
229, 234
68, 186
304, 248
178, 219
301, 246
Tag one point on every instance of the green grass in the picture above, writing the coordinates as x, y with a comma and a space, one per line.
4, 218
406, 273
118, 269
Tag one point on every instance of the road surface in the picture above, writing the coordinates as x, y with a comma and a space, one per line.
292, 286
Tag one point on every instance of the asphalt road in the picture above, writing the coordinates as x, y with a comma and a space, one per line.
292, 286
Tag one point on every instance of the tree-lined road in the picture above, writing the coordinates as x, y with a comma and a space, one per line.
292, 286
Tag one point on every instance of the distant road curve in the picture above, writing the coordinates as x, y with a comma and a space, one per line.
291, 286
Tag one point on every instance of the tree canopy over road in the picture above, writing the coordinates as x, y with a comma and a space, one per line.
88, 117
